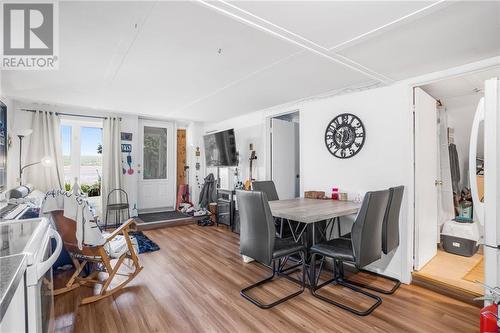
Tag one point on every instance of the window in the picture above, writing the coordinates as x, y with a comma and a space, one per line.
155, 153
82, 154
90, 155
66, 152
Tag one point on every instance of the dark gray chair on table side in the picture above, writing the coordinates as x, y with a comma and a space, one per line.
258, 241
268, 187
390, 237
361, 250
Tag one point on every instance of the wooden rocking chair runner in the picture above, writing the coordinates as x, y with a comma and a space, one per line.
95, 254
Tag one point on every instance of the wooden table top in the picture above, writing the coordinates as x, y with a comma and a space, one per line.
312, 210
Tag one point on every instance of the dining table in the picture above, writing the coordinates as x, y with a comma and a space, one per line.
312, 215
311, 220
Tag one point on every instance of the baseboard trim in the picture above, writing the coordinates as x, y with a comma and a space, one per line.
164, 224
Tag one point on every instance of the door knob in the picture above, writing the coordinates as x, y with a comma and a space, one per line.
438, 182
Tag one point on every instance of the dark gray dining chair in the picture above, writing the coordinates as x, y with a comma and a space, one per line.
258, 241
268, 187
390, 238
361, 250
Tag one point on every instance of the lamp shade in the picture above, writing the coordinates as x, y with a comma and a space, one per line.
46, 161
25, 132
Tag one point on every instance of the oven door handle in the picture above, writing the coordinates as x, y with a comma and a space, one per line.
44, 266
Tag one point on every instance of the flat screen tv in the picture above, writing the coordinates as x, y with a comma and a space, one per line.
220, 149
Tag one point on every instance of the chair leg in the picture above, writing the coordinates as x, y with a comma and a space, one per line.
244, 291
339, 279
391, 291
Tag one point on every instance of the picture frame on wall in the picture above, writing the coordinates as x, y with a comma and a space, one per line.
125, 136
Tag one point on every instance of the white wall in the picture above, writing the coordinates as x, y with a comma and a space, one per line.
130, 124
195, 139
384, 161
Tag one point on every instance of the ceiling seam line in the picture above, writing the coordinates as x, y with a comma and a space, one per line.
139, 30
384, 78
275, 25
347, 43
277, 34
388, 79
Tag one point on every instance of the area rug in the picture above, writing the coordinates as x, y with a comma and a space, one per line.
145, 244
476, 273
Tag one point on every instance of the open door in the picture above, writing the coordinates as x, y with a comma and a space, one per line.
285, 157
491, 208
426, 177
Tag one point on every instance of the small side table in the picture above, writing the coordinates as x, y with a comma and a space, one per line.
117, 207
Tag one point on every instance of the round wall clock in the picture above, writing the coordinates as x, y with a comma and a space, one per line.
345, 136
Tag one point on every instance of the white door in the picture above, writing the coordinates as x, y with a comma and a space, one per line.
492, 182
426, 177
156, 166
285, 157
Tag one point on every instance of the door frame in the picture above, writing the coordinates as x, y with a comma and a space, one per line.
408, 260
268, 143
171, 163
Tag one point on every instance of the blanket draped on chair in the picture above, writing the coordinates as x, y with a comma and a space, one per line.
76, 208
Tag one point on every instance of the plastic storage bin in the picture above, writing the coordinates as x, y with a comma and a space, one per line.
460, 238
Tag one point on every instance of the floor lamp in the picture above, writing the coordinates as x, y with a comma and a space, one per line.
46, 161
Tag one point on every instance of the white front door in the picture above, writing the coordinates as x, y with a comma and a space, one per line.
426, 176
156, 166
285, 157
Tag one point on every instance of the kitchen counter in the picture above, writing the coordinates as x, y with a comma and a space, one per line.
15, 237
12, 269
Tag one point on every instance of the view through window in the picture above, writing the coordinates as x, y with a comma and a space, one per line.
82, 155
66, 151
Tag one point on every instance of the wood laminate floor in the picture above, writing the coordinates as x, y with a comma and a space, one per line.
456, 271
192, 285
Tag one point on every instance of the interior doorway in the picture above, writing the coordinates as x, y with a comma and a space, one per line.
448, 234
285, 154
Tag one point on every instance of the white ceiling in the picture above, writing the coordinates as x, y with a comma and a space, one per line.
460, 86
162, 59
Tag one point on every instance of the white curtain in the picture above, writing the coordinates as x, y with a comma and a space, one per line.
45, 141
111, 160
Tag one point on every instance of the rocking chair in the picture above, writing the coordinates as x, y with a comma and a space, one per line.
117, 245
